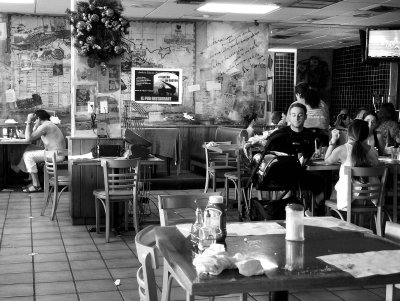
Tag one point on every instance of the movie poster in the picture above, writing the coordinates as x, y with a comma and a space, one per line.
157, 85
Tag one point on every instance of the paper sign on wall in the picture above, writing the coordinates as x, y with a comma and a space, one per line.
213, 86
193, 88
103, 107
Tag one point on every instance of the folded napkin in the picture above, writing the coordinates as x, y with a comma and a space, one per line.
366, 264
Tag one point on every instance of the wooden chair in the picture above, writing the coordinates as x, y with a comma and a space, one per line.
218, 164
166, 204
120, 185
360, 196
53, 180
146, 249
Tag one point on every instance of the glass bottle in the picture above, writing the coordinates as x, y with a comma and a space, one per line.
195, 230
207, 233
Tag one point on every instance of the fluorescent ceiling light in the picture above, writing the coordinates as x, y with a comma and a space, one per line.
214, 7
17, 1
282, 49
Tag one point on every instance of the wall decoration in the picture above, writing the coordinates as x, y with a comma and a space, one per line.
313, 71
157, 85
98, 29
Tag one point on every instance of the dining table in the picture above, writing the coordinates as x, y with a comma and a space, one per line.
287, 265
6, 144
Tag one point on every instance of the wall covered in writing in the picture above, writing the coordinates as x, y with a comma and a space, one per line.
39, 72
231, 69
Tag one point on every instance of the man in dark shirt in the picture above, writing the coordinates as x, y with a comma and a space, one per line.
295, 139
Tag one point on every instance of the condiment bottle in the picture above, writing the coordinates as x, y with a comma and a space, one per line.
294, 222
195, 230
217, 211
207, 233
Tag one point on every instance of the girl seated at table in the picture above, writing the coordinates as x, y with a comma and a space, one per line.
356, 152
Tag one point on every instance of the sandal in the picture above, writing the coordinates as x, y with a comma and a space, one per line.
32, 189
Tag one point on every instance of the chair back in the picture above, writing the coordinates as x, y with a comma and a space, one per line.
368, 196
50, 162
146, 249
120, 176
392, 231
170, 203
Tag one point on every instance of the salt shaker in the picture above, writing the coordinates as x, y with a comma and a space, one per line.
294, 222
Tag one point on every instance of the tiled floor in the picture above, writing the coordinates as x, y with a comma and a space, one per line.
45, 260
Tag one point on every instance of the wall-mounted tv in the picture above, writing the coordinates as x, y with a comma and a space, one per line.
383, 44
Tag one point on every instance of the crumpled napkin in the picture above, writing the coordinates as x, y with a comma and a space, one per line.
215, 259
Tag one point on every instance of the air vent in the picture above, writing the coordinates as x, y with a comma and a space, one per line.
281, 37
194, 2
383, 9
314, 4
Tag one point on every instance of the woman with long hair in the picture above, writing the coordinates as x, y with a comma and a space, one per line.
356, 152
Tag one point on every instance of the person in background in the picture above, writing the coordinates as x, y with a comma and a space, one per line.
38, 125
317, 109
342, 120
356, 152
372, 139
249, 121
388, 130
276, 117
361, 113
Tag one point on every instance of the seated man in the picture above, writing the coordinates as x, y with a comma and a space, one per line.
299, 141
52, 138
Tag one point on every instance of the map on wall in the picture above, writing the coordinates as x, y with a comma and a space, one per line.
234, 59
40, 62
160, 45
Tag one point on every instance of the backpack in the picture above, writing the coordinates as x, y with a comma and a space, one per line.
273, 171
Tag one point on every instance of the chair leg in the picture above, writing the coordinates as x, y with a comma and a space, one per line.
126, 215
226, 192
207, 181
167, 281
46, 200
189, 297
243, 297
214, 182
96, 203
55, 205
107, 209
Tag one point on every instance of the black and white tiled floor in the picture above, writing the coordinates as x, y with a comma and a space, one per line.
43, 260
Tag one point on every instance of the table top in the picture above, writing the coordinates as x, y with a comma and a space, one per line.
222, 148
8, 141
96, 161
319, 164
176, 249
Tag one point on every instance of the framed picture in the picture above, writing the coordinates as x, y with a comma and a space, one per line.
157, 85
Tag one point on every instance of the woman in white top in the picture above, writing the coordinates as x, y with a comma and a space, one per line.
356, 152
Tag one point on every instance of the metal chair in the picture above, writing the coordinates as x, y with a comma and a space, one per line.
120, 185
168, 203
361, 196
53, 180
146, 249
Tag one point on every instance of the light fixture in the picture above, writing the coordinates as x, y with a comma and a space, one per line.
233, 8
17, 1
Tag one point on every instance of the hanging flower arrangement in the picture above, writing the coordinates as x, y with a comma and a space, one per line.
98, 28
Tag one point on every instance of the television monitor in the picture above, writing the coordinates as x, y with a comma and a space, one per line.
383, 44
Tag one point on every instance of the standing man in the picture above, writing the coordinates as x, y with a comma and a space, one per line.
52, 138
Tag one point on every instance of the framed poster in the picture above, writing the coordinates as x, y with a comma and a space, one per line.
157, 85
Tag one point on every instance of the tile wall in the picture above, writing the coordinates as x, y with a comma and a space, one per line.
283, 80
354, 83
